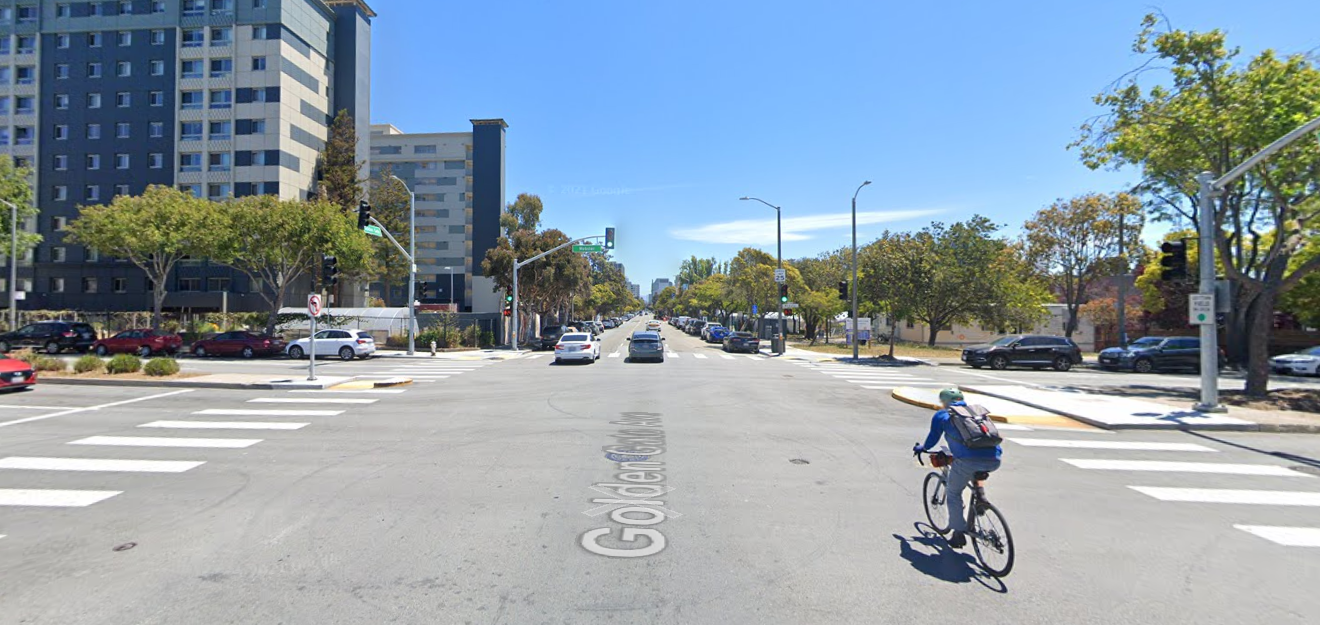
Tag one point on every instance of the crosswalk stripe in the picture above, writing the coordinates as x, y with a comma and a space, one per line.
53, 498
753, 356
534, 356
224, 425
415, 377
1125, 445
146, 441
701, 356
876, 376
311, 400
241, 412
726, 356
377, 391
1229, 495
1286, 536
613, 355
671, 355
94, 464
1183, 467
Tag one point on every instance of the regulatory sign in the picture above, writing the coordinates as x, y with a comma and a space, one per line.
314, 305
781, 275
588, 248
372, 230
788, 305
1201, 308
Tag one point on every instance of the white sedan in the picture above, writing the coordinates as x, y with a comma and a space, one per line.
653, 326
346, 343
1305, 362
577, 346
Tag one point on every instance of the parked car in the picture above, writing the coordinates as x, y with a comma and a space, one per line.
15, 374
142, 341
717, 334
1156, 353
1026, 350
577, 346
742, 342
1305, 362
550, 336
238, 343
653, 326
646, 346
694, 327
608, 323
346, 343
51, 337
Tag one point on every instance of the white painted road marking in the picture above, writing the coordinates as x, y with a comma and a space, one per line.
532, 356
54, 498
224, 425
311, 400
1126, 445
671, 355
1286, 536
1183, 467
380, 391
859, 374
1228, 495
726, 356
39, 407
240, 412
1012, 426
146, 441
97, 407
92, 464
613, 355
701, 356
415, 377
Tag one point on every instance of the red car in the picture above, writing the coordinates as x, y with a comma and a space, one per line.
238, 343
15, 373
143, 342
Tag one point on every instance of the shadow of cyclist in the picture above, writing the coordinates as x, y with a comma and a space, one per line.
929, 553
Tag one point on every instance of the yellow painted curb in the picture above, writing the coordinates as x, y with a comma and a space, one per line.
389, 383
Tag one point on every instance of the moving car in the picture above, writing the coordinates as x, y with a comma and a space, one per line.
550, 336
142, 341
238, 343
1156, 353
15, 374
653, 326
577, 346
646, 346
717, 334
1027, 350
347, 343
51, 337
742, 342
1305, 362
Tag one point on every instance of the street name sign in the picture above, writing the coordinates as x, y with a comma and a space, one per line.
789, 305
781, 275
372, 230
588, 248
314, 305
1201, 308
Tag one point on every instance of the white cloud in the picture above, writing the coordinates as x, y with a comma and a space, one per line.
757, 231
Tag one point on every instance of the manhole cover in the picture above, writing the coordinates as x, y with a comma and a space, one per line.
125, 546
1306, 468
799, 461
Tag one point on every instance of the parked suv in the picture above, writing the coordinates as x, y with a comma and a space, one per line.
52, 337
550, 336
1026, 350
1156, 353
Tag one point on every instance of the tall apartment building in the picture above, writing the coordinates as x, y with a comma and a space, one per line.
658, 285
457, 179
217, 97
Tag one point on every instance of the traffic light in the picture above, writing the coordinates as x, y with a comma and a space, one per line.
783, 294
1173, 260
508, 299
329, 271
508, 310
421, 290
364, 214
609, 238
843, 289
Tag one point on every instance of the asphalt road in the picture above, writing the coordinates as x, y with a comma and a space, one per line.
483, 494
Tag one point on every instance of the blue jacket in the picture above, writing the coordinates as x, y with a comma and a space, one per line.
940, 425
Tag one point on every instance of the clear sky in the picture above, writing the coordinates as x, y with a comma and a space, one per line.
655, 117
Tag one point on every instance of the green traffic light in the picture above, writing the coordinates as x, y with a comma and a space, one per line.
508, 298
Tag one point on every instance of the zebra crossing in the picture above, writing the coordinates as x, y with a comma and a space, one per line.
423, 370
1279, 486
669, 355
870, 377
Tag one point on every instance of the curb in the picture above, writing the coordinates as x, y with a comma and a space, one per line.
155, 383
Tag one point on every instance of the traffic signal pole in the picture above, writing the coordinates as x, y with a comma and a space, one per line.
513, 340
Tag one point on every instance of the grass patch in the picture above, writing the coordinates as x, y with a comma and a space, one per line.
901, 349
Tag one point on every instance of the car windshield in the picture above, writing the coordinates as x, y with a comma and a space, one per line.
1314, 351
575, 338
1149, 341
1005, 340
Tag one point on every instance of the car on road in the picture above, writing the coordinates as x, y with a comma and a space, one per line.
653, 326
608, 323
694, 327
717, 334
16, 374
238, 343
1305, 362
51, 337
577, 346
742, 342
550, 336
1156, 353
1025, 350
141, 341
346, 343
646, 346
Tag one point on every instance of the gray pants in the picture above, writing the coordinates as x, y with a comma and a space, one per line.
959, 475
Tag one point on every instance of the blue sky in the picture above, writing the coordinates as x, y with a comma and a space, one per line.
655, 117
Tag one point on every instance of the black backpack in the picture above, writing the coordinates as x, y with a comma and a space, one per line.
974, 426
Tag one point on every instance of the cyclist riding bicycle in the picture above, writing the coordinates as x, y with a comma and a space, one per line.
967, 462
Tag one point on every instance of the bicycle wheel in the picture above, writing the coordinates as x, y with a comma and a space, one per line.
993, 540
932, 493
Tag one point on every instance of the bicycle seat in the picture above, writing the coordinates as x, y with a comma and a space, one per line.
981, 475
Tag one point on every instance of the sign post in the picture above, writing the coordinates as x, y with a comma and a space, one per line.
781, 276
313, 311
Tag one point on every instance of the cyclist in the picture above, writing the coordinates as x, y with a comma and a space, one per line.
966, 462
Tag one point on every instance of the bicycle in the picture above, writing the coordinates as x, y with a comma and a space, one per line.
986, 526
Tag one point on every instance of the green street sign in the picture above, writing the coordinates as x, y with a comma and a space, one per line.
372, 230
588, 248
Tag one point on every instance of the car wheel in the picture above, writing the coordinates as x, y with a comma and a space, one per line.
1143, 365
199, 352
998, 363
102, 350
1062, 363
248, 352
559, 361
346, 353
52, 348
295, 352
144, 351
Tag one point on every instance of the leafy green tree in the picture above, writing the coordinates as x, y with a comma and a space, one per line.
549, 284
341, 182
820, 300
523, 214
154, 231
16, 188
1303, 301
751, 281
389, 205
1210, 114
694, 270
663, 303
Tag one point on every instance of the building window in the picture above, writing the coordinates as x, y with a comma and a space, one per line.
92, 193
120, 285
423, 149
24, 104
61, 71
93, 161
89, 285
57, 285
222, 35
190, 100
217, 191
221, 68
193, 37
61, 132
61, 162
191, 189
190, 131
4, 135
258, 63
58, 254
22, 135
191, 69
259, 157
156, 160
62, 41
258, 4
60, 193
26, 75
61, 101
124, 38
217, 284
122, 130
190, 161
259, 94
156, 130
222, 6
91, 254
96, 9
121, 161
194, 7
121, 189
93, 70
158, 6
22, 162
221, 131
27, 14
190, 284
157, 37
123, 99
259, 32
125, 7
93, 100
57, 223
4, 43
157, 67
156, 98
63, 10
123, 69
4, 105
222, 99
93, 131
258, 126
94, 40
27, 44
219, 161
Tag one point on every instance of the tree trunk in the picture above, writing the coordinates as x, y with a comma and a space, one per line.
934, 331
1260, 322
893, 330
275, 309
158, 303
1071, 325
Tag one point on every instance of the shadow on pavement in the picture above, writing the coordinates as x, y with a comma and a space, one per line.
930, 553
1310, 462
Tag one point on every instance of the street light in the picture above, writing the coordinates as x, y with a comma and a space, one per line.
451, 284
13, 265
779, 254
856, 330
412, 272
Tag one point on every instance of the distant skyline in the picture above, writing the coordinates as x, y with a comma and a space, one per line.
655, 118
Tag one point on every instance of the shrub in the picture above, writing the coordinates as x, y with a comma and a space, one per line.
399, 340
161, 367
124, 363
48, 363
25, 355
88, 364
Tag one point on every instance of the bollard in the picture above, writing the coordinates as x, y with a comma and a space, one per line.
433, 349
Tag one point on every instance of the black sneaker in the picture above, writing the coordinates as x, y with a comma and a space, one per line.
958, 540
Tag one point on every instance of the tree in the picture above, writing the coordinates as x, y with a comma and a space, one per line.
694, 270
523, 214
1074, 242
341, 182
1211, 115
154, 231
16, 188
1303, 301
820, 301
663, 303
276, 242
751, 281
389, 205
546, 285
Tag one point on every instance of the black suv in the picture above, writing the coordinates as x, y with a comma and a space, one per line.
1026, 350
1156, 353
550, 336
51, 336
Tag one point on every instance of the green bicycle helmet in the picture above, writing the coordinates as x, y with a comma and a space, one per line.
950, 395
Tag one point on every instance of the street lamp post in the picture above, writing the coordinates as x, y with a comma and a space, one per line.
412, 271
856, 330
451, 284
779, 255
13, 265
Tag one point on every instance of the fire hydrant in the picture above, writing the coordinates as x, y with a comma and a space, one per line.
433, 349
